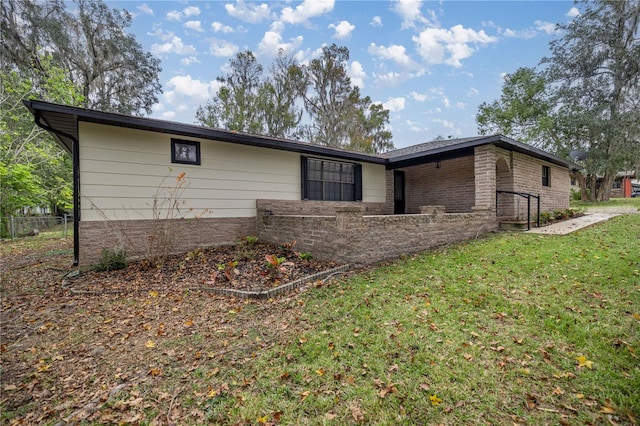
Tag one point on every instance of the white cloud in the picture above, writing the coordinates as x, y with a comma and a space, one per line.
546, 27
182, 92
252, 12
222, 48
409, 11
390, 78
194, 25
145, 9
472, 92
189, 60
376, 21
174, 46
419, 97
525, 34
394, 52
174, 15
461, 105
446, 102
450, 46
191, 11
272, 41
307, 9
394, 104
415, 127
219, 27
342, 30
445, 123
573, 12
356, 74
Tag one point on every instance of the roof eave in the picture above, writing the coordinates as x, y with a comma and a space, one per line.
149, 124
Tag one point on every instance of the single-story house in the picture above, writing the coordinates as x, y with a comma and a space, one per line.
335, 203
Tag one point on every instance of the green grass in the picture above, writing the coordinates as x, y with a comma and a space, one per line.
492, 328
510, 329
613, 202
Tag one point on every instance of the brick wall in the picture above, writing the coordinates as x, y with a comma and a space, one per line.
319, 208
133, 235
350, 236
527, 177
451, 184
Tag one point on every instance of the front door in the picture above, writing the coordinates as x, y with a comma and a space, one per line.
398, 192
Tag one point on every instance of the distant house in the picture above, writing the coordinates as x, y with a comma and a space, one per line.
623, 184
379, 206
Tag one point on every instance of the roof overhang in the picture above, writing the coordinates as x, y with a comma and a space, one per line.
466, 148
62, 121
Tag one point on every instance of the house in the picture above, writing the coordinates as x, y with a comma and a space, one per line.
337, 204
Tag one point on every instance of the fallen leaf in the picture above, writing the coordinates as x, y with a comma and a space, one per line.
435, 400
320, 372
153, 293
424, 386
356, 412
10, 387
262, 420
188, 323
150, 344
584, 362
607, 408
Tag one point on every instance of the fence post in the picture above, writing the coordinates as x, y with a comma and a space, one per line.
65, 226
12, 225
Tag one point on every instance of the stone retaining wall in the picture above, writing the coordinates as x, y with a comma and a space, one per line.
350, 236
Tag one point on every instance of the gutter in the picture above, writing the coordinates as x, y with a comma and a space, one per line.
76, 182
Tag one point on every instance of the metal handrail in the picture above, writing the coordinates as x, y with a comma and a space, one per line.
528, 197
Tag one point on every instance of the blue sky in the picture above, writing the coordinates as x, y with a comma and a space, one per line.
430, 63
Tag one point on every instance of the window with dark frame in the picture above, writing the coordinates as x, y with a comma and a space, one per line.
185, 152
546, 176
328, 180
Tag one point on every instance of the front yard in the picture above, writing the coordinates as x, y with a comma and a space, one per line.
510, 329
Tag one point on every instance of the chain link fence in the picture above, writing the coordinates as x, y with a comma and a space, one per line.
21, 226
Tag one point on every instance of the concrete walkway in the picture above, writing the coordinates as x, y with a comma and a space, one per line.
571, 225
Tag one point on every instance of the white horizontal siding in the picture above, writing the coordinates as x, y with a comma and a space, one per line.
121, 170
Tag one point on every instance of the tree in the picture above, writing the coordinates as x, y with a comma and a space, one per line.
369, 132
337, 115
279, 94
523, 111
596, 66
329, 100
90, 44
586, 97
237, 104
35, 171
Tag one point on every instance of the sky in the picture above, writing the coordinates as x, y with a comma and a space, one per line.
431, 64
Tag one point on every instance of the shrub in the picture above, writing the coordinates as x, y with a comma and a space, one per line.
111, 260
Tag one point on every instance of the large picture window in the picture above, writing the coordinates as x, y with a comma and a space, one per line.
331, 180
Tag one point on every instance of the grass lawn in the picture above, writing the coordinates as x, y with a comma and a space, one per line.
510, 329
613, 202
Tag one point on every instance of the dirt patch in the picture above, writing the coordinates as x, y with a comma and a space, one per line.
153, 352
249, 267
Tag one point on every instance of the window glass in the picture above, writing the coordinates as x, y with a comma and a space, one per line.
330, 180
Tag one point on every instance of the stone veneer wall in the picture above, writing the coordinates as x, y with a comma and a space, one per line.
188, 234
350, 236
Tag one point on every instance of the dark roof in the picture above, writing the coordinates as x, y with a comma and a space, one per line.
452, 148
62, 122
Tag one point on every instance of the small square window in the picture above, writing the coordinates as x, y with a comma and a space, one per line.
546, 176
185, 152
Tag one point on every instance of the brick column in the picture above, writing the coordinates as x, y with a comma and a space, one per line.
485, 176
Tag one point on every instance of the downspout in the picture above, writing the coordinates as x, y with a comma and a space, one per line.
75, 153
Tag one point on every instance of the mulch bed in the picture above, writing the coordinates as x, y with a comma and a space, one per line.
240, 267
